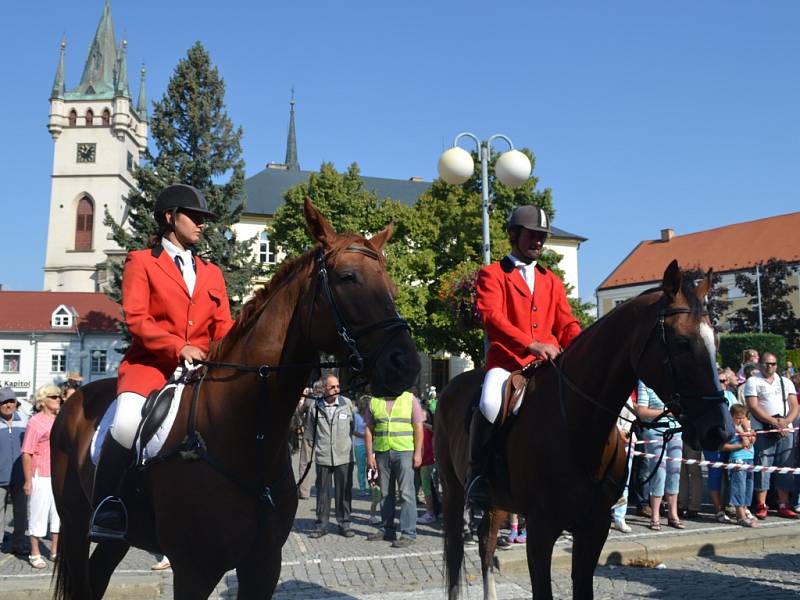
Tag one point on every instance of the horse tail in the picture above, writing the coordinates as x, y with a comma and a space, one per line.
452, 515
71, 573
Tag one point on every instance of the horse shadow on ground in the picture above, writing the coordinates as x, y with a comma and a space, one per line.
684, 583
291, 590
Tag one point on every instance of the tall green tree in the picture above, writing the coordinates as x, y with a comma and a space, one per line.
197, 144
776, 309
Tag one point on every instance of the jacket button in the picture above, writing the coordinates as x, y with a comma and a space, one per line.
535, 309
191, 322
535, 325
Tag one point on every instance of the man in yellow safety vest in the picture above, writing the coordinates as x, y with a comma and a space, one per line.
393, 438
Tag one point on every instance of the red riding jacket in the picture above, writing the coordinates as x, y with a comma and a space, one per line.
163, 318
514, 318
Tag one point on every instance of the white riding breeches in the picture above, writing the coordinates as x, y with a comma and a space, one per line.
127, 418
492, 394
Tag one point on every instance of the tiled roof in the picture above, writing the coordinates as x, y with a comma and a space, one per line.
728, 248
32, 311
265, 191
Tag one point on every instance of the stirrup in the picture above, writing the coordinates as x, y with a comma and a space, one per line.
477, 493
110, 506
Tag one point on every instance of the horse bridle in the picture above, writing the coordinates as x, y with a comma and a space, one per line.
355, 360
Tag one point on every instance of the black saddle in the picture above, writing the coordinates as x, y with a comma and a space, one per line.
154, 411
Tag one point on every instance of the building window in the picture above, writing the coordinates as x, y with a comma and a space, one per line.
99, 360
58, 361
11, 358
618, 301
130, 162
89, 117
84, 225
61, 317
73, 118
266, 252
106, 118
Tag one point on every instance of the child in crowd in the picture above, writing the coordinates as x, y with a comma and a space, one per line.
36, 469
359, 447
740, 447
426, 470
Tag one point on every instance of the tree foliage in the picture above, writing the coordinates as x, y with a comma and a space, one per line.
197, 144
776, 309
435, 252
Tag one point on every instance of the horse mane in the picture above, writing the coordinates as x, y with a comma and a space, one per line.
687, 287
253, 307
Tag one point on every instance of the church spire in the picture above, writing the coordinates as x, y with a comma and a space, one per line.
291, 141
98, 73
141, 104
121, 72
58, 82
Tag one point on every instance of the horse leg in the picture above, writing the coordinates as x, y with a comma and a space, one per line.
193, 582
258, 575
542, 537
586, 547
105, 558
487, 542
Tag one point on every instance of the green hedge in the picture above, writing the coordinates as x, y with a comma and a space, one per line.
731, 346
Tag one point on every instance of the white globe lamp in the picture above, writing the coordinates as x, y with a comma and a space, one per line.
512, 168
456, 166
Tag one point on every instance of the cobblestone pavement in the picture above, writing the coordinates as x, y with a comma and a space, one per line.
334, 567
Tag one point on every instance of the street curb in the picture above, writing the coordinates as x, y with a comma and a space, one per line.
660, 547
121, 587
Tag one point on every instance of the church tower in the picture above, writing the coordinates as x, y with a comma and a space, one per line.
98, 137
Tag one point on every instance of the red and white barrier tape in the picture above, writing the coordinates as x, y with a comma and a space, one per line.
722, 465
753, 432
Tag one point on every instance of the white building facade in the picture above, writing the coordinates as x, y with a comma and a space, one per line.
98, 138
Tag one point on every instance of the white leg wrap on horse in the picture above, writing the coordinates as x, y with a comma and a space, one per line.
492, 394
127, 417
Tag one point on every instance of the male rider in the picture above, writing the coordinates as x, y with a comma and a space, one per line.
526, 317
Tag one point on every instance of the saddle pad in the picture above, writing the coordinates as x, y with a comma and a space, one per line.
153, 447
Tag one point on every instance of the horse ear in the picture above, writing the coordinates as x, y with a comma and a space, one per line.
671, 284
704, 286
383, 236
321, 230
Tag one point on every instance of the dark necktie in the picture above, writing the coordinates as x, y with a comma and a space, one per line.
179, 263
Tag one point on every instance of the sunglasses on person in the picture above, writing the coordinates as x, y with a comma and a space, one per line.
54, 397
770, 364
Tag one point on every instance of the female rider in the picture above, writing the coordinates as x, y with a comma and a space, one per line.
175, 304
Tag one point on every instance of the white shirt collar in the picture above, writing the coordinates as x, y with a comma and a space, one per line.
521, 264
174, 251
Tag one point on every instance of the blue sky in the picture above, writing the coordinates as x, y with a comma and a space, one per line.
642, 115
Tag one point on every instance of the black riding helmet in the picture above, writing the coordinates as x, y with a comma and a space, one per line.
530, 217
181, 196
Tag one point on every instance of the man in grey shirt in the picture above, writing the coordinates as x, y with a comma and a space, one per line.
333, 454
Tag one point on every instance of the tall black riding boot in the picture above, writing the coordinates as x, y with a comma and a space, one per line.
480, 436
110, 518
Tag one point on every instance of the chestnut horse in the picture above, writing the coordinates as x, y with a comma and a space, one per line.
566, 464
235, 506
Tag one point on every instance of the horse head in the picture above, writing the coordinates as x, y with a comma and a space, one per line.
353, 309
677, 358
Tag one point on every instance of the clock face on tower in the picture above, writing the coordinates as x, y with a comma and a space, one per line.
87, 153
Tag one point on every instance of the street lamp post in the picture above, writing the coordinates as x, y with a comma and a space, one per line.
512, 168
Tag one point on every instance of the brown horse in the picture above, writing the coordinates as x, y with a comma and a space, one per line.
235, 508
565, 461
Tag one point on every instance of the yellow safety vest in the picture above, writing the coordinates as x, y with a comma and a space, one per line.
392, 432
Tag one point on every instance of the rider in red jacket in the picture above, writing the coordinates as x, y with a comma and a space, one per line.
526, 317
175, 305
